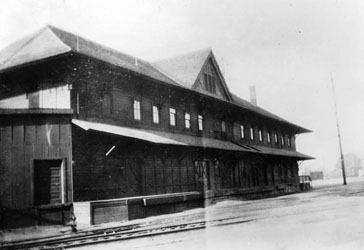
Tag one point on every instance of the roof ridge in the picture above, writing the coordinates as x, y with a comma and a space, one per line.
200, 51
105, 47
165, 73
258, 109
29, 38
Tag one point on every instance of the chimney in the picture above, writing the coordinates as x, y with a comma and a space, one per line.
253, 95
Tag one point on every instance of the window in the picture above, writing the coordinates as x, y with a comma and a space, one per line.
268, 137
200, 122
282, 140
210, 83
251, 134
209, 79
107, 107
136, 107
187, 120
242, 134
172, 117
260, 135
275, 138
155, 114
223, 126
289, 142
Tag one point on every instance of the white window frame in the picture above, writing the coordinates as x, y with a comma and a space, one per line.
137, 110
200, 122
242, 132
260, 135
155, 114
252, 134
223, 126
172, 116
187, 120
268, 137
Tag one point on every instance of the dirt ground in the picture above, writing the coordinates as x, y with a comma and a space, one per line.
328, 217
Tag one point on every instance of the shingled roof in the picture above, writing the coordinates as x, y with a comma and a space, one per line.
183, 69
180, 70
247, 105
50, 41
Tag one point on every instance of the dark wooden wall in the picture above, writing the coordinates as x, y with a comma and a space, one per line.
106, 93
136, 168
23, 139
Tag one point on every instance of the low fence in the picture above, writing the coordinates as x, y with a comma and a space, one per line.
305, 182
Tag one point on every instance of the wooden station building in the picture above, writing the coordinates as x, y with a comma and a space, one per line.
115, 138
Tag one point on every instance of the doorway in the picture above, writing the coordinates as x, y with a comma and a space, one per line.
48, 182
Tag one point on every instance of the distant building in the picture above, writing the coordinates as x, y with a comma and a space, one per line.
319, 175
353, 166
117, 138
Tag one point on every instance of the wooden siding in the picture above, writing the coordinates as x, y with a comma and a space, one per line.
106, 93
23, 139
136, 168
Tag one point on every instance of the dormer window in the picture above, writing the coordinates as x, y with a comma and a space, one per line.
209, 79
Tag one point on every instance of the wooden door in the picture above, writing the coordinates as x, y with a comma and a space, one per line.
47, 182
133, 174
202, 175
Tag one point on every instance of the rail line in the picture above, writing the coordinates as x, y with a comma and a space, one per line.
117, 234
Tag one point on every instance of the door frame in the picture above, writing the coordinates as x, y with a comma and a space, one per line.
63, 179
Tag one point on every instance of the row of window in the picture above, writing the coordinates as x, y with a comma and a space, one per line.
187, 122
172, 116
260, 134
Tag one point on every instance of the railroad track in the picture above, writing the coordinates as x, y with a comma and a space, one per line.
116, 234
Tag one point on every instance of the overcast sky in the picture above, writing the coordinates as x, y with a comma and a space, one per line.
287, 49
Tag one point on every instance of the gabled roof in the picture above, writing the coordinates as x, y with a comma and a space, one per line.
50, 41
186, 69
37, 46
182, 71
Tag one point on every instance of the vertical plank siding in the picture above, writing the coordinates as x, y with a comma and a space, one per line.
22, 141
105, 93
136, 168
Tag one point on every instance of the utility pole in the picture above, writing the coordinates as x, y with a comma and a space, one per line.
338, 132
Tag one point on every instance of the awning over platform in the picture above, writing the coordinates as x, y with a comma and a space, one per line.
183, 140
278, 151
158, 137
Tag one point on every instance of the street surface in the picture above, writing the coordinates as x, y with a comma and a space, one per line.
328, 217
